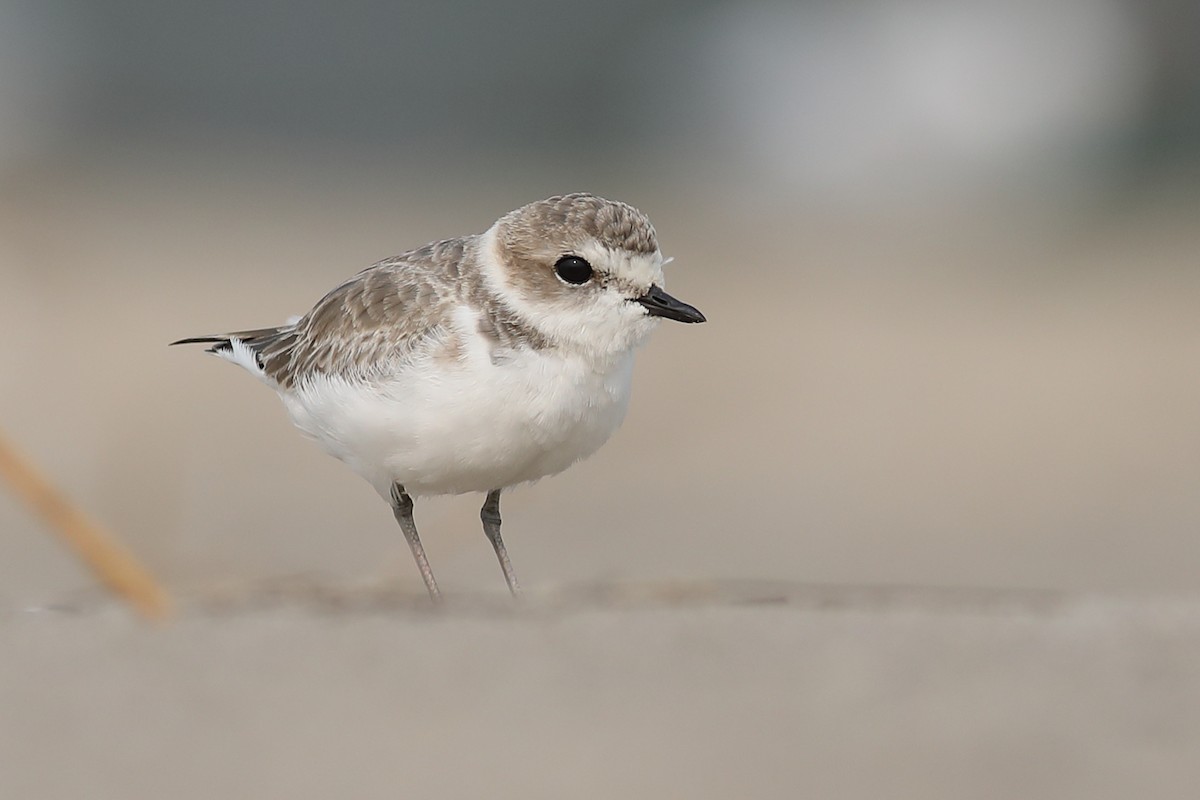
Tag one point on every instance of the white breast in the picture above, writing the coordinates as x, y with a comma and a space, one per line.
479, 422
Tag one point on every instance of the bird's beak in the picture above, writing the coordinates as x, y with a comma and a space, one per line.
660, 304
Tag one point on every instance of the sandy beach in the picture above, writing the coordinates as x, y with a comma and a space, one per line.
717, 602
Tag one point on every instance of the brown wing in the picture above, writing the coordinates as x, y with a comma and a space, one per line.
380, 315
376, 318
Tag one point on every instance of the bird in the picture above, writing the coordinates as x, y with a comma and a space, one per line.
473, 364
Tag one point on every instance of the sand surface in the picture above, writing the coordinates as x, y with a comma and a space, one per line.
1005, 410
752, 691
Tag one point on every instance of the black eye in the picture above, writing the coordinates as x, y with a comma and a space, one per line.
573, 269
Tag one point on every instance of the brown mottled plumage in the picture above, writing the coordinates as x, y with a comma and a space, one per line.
391, 309
379, 316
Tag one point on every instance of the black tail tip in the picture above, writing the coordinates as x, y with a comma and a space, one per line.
199, 340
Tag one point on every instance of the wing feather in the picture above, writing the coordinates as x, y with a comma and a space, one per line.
380, 317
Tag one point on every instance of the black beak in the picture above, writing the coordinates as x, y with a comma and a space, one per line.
660, 304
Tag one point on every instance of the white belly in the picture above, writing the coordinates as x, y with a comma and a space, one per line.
443, 427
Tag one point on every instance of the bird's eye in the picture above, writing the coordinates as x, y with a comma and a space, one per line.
573, 269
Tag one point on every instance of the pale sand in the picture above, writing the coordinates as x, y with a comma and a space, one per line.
909, 401
693, 693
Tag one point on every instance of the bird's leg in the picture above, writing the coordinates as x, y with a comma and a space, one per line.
490, 514
402, 507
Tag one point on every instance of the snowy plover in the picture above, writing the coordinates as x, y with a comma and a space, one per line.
473, 364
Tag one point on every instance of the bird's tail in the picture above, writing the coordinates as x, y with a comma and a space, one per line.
222, 342
256, 351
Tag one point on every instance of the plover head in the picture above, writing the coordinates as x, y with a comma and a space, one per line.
584, 271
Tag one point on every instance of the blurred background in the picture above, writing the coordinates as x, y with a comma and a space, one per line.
948, 252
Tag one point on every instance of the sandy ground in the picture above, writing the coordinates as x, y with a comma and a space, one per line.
1007, 410
770, 693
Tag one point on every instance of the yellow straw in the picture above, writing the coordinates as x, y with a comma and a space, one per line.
111, 562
